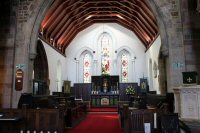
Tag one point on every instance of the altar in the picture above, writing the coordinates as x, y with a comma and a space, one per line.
187, 102
104, 91
104, 100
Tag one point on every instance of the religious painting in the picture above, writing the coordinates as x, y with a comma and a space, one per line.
143, 85
67, 86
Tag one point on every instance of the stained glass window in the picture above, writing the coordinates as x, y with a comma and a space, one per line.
86, 68
124, 67
105, 55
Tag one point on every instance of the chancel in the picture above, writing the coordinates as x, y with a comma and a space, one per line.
70, 66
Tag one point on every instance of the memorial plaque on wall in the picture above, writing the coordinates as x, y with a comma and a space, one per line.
19, 79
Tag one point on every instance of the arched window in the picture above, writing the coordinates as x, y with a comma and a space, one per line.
105, 54
124, 67
86, 68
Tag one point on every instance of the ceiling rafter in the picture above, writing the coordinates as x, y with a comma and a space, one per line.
66, 18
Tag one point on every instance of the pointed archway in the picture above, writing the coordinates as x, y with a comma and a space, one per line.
40, 69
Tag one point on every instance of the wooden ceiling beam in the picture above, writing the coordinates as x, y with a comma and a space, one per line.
137, 16
56, 13
66, 18
55, 27
52, 9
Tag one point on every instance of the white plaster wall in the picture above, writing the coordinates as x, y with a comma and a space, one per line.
122, 38
153, 54
53, 58
88, 40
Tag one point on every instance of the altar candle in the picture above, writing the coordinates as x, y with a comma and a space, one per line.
155, 120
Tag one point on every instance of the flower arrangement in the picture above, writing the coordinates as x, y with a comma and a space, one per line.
130, 90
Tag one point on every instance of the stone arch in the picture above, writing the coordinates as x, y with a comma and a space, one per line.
161, 10
170, 45
29, 40
38, 14
163, 21
41, 70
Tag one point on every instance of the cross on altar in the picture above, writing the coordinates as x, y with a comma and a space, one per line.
189, 79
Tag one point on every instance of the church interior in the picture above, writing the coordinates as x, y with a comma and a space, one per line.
111, 66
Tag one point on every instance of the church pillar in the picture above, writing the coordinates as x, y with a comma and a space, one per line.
30, 72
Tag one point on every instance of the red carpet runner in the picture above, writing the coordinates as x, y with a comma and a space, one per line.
98, 123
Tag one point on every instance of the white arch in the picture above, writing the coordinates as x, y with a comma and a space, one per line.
83, 49
131, 52
79, 62
103, 29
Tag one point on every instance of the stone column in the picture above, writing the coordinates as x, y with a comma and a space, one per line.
30, 71
177, 100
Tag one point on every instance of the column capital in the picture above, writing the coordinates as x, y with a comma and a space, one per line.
32, 56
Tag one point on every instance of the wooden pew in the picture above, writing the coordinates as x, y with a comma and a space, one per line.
75, 114
134, 120
120, 112
138, 117
34, 120
45, 120
11, 121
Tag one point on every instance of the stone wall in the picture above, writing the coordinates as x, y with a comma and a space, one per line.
191, 35
7, 44
168, 16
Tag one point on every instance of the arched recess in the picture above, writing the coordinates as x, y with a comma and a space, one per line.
40, 69
79, 62
119, 64
80, 59
109, 46
32, 32
102, 30
131, 62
